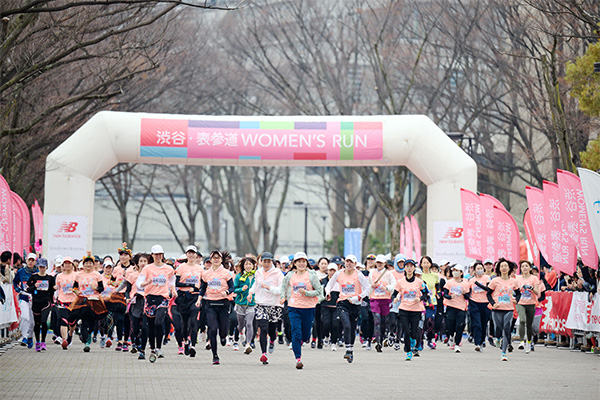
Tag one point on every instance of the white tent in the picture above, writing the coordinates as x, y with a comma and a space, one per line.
110, 138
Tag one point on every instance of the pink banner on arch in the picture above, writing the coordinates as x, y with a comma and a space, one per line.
402, 241
507, 235
529, 232
537, 209
471, 217
574, 213
6, 216
416, 237
488, 247
561, 252
409, 238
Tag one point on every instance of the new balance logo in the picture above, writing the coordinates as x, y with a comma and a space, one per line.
453, 233
68, 227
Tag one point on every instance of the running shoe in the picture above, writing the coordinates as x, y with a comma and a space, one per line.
527, 347
57, 340
186, 348
29, 343
216, 361
503, 357
133, 350
299, 364
229, 341
166, 341
521, 345
491, 341
64, 344
409, 356
224, 342
43, 346
333, 347
248, 349
313, 345
95, 339
108, 342
396, 346
416, 353
510, 348
86, 348
457, 349
159, 353
349, 356
119, 346
252, 345
236, 347
141, 355
280, 337
264, 359
477, 348
192, 351
532, 347
271, 347
364, 344
180, 351
207, 347
125, 348
38, 346
368, 346
24, 342
385, 342
290, 347
378, 347
319, 345
103, 342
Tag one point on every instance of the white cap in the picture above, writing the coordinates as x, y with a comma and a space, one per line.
108, 262
380, 258
351, 257
458, 267
31, 255
418, 271
182, 257
284, 259
444, 262
488, 261
332, 266
300, 255
157, 249
58, 261
191, 247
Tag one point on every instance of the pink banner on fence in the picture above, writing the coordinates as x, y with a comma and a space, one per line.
535, 249
471, 217
6, 216
26, 231
488, 247
402, 240
409, 238
574, 212
537, 208
17, 223
507, 235
416, 237
561, 251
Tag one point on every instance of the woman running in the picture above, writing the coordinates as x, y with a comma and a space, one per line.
185, 315
457, 291
302, 289
64, 285
245, 307
502, 295
478, 306
158, 282
216, 285
329, 315
432, 280
353, 288
382, 284
88, 306
121, 319
410, 292
136, 302
41, 287
529, 286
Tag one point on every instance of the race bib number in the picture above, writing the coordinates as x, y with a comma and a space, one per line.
214, 284
504, 298
297, 287
456, 290
68, 288
43, 285
477, 289
159, 280
410, 296
526, 295
87, 291
348, 289
192, 280
379, 292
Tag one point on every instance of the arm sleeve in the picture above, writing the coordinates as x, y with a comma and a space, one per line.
178, 282
230, 285
517, 294
331, 282
141, 279
490, 298
203, 287
447, 294
30, 284
100, 288
542, 296
467, 295
364, 284
487, 289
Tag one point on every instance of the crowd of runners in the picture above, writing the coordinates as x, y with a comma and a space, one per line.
139, 303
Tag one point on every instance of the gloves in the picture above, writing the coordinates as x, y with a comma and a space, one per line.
354, 300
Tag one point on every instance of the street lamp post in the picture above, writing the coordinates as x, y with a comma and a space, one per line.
324, 227
299, 203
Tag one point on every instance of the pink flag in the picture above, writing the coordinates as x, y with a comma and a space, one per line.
535, 201
507, 235
471, 217
26, 221
561, 251
488, 248
6, 216
574, 210
402, 241
17, 224
409, 238
416, 236
38, 225
533, 245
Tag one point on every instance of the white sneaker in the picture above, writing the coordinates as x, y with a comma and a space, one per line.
333, 347
478, 348
527, 347
58, 340
457, 349
236, 347
364, 344
521, 345
290, 346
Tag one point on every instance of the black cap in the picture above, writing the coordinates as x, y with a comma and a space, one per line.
337, 259
266, 256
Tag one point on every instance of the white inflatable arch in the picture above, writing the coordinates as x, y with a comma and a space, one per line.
110, 138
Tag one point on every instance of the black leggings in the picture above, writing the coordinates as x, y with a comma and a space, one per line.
185, 318
217, 318
40, 321
266, 328
410, 325
153, 328
121, 321
331, 323
455, 323
349, 314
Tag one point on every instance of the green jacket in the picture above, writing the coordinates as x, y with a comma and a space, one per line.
286, 289
241, 296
